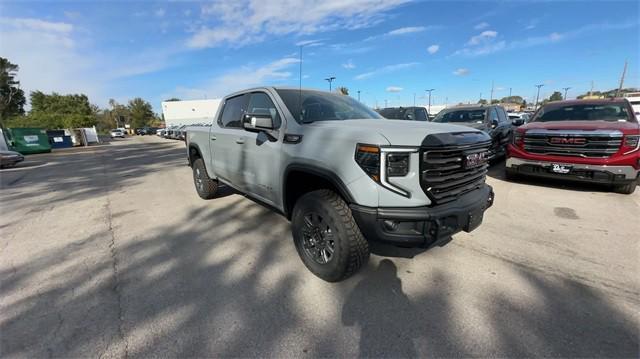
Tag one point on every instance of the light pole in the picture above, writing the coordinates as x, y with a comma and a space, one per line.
565, 91
538, 95
429, 91
358, 95
330, 80
414, 99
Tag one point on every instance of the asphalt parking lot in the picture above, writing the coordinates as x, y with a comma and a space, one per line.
109, 252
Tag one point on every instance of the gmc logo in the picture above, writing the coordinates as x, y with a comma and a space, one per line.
567, 141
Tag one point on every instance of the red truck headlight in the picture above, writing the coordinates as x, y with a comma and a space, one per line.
631, 143
518, 138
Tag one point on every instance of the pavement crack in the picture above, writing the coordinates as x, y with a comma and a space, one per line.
117, 287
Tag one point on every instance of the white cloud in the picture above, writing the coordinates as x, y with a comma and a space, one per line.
240, 78
385, 70
30, 24
433, 49
159, 12
246, 21
461, 72
486, 43
482, 37
394, 89
349, 65
482, 25
406, 30
309, 43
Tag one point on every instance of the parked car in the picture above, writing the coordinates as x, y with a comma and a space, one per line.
116, 132
581, 140
634, 100
518, 118
491, 119
10, 158
404, 113
305, 154
181, 132
160, 132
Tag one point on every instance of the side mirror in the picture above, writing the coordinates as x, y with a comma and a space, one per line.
518, 121
256, 122
409, 117
494, 123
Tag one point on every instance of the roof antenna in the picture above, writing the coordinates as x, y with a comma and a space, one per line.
300, 87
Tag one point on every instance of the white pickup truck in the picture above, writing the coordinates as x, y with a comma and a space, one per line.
342, 174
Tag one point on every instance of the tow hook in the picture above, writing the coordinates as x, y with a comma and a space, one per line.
490, 199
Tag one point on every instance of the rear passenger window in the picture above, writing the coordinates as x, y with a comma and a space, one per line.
232, 112
421, 114
260, 103
502, 115
493, 115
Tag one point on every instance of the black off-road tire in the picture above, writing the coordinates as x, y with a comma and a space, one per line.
205, 186
351, 249
628, 188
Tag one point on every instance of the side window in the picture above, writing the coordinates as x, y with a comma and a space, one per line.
409, 115
502, 115
493, 115
421, 114
232, 112
260, 103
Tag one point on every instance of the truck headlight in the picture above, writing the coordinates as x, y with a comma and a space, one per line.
368, 158
397, 164
631, 143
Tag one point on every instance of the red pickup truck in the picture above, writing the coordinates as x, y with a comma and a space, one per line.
583, 140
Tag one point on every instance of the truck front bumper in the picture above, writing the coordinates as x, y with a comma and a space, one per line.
578, 172
423, 226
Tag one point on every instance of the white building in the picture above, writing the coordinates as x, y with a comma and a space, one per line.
189, 112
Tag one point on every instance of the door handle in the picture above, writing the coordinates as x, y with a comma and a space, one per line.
240, 141
213, 138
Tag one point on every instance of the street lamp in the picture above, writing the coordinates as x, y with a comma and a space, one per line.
538, 95
330, 80
358, 95
429, 91
565, 91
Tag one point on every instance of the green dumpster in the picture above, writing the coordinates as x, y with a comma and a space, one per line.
29, 140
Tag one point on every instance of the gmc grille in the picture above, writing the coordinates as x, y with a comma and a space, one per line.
573, 143
443, 175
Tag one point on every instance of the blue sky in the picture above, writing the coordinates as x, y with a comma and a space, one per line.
389, 50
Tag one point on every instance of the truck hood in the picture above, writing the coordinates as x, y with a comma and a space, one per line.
625, 127
397, 132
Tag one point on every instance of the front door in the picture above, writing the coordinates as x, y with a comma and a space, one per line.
262, 154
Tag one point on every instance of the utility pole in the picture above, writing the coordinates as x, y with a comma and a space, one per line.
358, 95
624, 72
565, 91
591, 91
330, 80
385, 103
538, 95
414, 99
509, 93
429, 91
491, 97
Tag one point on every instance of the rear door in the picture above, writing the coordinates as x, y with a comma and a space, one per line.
504, 126
227, 141
261, 157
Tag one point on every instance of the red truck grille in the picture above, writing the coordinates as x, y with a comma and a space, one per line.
573, 143
444, 174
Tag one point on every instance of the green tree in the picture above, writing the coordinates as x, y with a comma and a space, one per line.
12, 98
555, 96
141, 113
482, 101
57, 111
512, 99
343, 91
495, 101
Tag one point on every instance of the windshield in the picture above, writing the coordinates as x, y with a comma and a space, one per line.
584, 112
324, 106
476, 115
